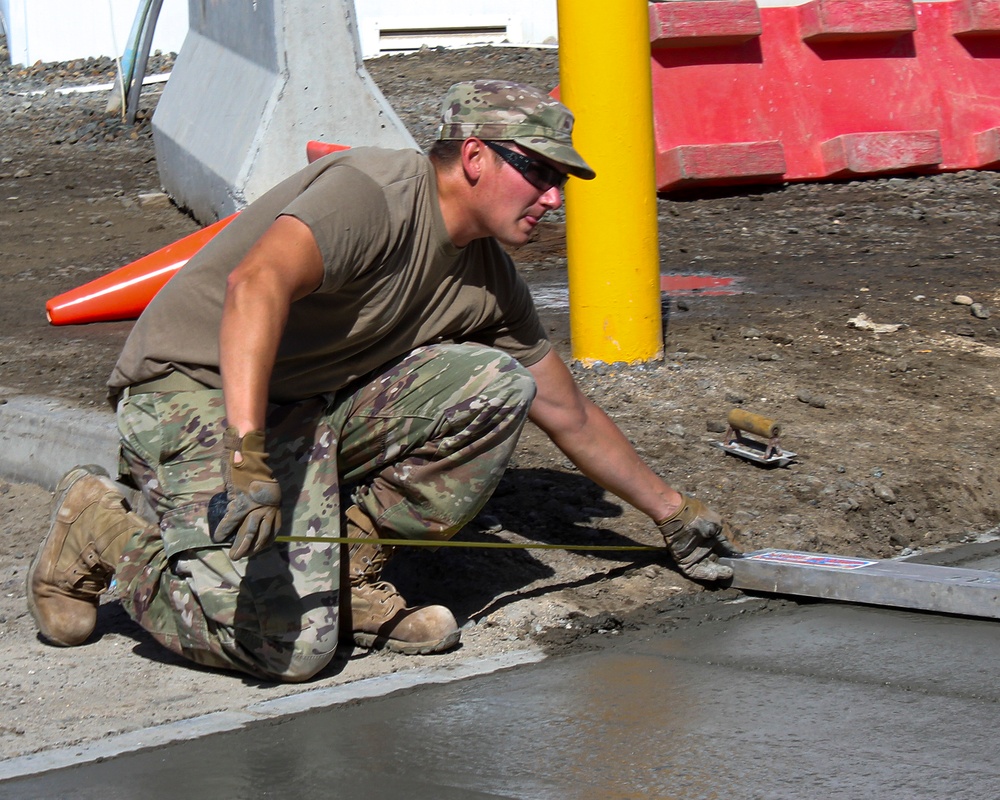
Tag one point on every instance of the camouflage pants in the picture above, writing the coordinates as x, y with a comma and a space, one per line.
420, 445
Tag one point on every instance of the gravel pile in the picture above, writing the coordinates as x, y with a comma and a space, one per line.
414, 83
30, 93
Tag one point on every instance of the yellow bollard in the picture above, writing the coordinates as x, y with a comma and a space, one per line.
611, 222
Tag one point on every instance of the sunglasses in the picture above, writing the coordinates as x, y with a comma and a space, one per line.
541, 176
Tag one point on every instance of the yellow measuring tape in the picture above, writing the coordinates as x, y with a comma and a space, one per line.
452, 543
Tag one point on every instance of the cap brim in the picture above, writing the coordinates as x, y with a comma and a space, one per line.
561, 154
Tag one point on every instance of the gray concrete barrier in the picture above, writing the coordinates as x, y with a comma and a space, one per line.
252, 84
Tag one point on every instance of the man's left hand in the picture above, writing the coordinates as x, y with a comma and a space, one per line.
696, 537
253, 513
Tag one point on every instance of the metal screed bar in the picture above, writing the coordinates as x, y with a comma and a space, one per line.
897, 584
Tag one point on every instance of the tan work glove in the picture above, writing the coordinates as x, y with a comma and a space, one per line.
252, 513
696, 536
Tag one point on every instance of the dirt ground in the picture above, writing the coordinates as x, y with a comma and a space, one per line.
894, 427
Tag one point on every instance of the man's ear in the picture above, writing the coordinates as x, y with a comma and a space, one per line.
473, 159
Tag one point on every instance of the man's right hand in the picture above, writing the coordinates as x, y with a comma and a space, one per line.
253, 513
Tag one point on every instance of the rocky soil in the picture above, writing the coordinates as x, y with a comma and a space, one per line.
863, 316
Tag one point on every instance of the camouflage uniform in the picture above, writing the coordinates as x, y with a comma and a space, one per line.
420, 445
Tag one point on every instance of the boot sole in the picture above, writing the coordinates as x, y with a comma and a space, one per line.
372, 641
62, 489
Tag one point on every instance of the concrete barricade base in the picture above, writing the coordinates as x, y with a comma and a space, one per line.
252, 85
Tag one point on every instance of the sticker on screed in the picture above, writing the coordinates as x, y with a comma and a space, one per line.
811, 560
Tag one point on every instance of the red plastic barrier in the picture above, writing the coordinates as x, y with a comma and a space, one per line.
828, 89
694, 23
849, 20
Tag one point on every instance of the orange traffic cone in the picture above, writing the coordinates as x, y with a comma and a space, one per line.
124, 293
316, 150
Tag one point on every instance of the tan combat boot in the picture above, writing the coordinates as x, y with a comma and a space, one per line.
88, 529
379, 616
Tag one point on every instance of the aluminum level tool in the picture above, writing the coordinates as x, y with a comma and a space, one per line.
768, 453
897, 584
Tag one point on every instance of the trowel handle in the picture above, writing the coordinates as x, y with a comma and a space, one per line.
740, 420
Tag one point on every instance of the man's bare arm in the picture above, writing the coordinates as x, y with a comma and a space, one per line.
694, 534
592, 441
283, 266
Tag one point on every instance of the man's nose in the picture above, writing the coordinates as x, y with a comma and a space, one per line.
551, 198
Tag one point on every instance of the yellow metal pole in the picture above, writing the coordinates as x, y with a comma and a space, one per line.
611, 225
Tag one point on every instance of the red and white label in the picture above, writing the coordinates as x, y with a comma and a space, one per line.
810, 560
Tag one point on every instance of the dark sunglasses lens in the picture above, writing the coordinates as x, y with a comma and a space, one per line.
539, 175
543, 177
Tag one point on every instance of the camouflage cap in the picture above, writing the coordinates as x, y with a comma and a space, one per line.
505, 111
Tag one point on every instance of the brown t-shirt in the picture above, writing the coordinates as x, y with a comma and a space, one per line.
393, 281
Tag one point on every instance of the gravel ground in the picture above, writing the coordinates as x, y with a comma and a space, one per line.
895, 427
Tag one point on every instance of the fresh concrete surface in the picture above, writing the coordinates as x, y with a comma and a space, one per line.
815, 701
234, 720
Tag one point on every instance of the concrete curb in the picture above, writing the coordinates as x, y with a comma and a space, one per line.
41, 439
224, 721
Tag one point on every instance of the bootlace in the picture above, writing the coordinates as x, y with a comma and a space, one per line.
90, 575
374, 604
371, 566
384, 588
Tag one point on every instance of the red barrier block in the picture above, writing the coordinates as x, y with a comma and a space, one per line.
977, 18
988, 147
694, 23
740, 162
841, 20
842, 87
885, 151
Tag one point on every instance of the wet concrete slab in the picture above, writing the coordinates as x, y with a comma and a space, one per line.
809, 701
